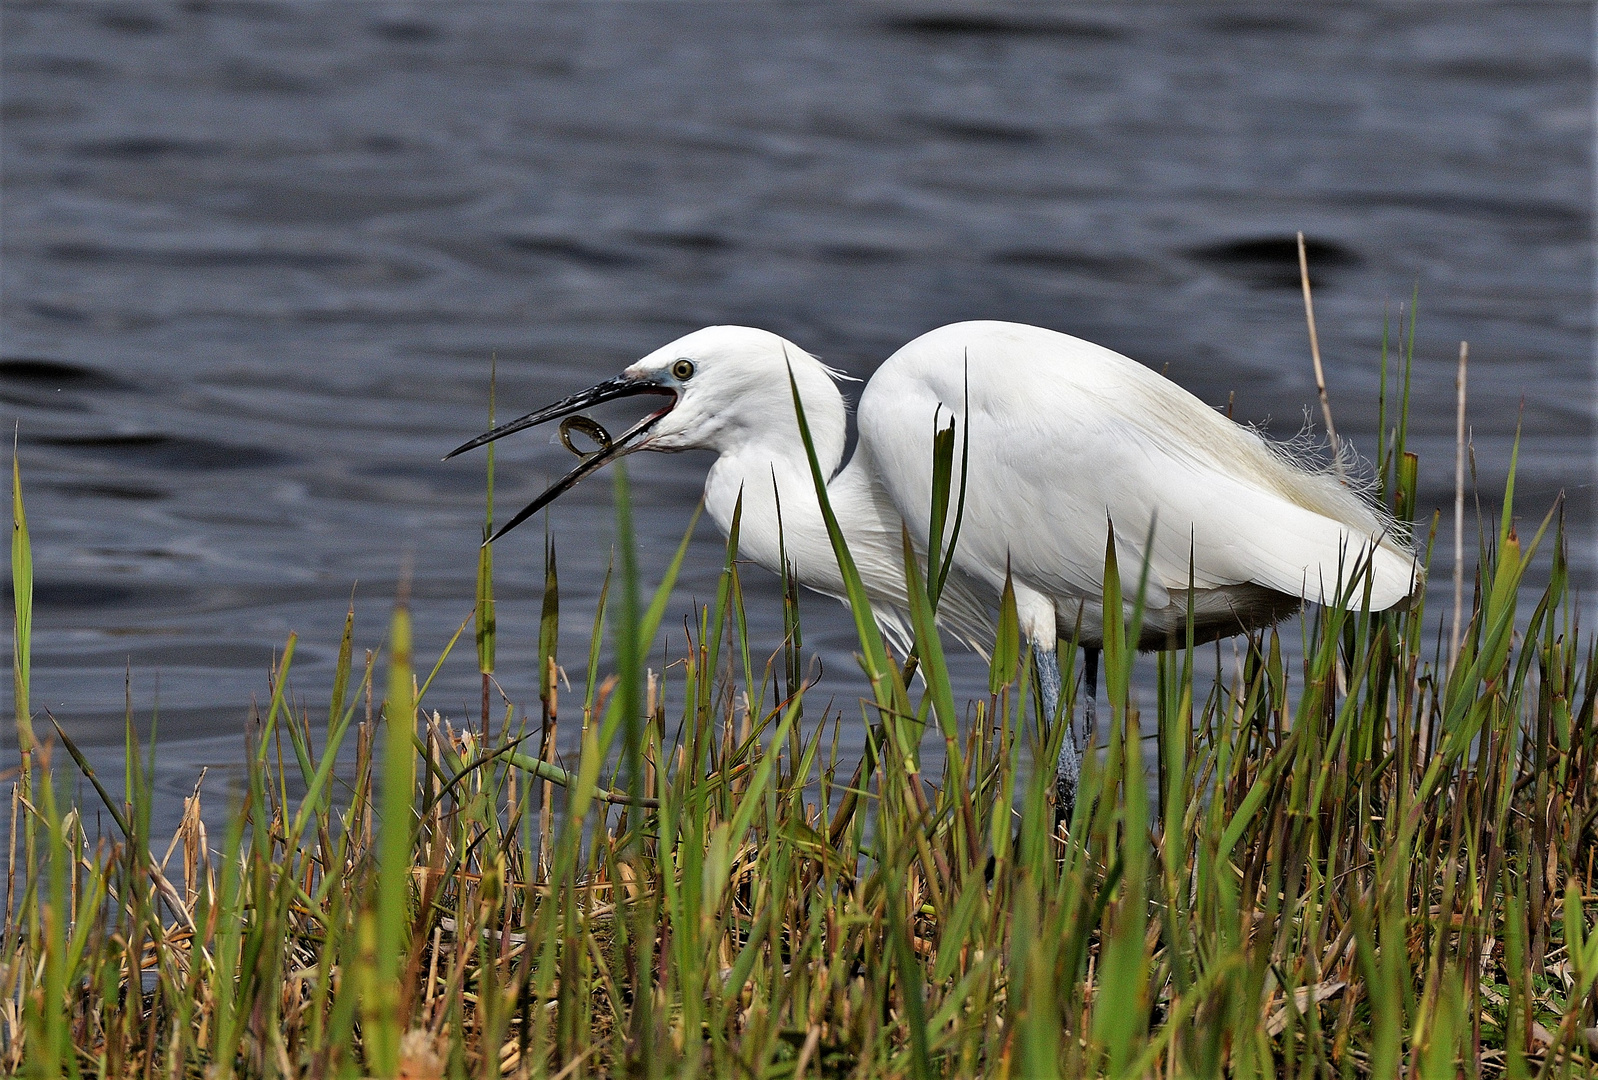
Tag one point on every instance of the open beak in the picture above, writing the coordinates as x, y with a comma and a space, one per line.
620, 446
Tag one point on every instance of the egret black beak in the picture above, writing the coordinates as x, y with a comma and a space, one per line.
620, 446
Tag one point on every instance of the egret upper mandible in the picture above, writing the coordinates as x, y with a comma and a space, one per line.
1064, 437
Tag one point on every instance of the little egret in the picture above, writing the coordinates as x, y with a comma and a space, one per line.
1065, 439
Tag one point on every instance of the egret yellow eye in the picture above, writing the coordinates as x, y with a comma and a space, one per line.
683, 369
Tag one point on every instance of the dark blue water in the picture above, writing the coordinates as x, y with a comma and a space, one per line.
257, 257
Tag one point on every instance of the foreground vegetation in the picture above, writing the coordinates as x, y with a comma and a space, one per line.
1374, 862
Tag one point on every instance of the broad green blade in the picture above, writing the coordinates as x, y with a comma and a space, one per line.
383, 1024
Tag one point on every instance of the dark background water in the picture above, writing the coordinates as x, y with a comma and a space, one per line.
257, 257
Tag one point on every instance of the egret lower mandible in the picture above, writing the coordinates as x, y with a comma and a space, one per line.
1065, 437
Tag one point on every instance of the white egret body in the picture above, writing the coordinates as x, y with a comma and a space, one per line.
1065, 437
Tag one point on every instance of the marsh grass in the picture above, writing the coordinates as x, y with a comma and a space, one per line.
1366, 863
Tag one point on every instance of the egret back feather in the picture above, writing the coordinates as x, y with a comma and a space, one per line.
1067, 437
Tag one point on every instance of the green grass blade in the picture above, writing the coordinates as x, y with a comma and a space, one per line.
384, 1025
487, 623
22, 598
341, 670
1005, 665
275, 710
928, 645
548, 625
874, 650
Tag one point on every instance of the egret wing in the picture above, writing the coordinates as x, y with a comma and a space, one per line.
1067, 437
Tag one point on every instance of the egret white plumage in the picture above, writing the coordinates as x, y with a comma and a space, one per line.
1064, 438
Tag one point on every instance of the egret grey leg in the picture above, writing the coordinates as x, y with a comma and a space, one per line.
1068, 769
1090, 690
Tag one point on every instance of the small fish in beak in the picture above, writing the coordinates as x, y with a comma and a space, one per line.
609, 448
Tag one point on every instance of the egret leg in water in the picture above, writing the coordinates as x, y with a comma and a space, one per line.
1068, 768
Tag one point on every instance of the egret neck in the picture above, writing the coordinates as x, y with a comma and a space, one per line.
766, 465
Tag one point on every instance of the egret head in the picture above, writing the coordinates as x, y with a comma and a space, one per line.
719, 388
